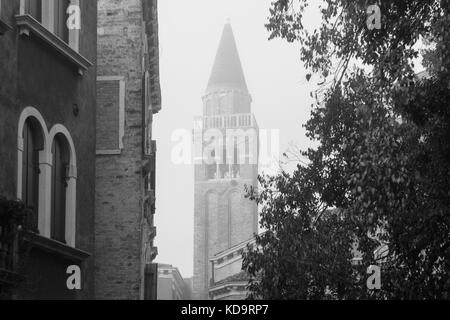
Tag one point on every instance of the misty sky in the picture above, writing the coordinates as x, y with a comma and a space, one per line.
189, 36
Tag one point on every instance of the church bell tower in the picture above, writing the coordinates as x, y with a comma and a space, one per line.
227, 148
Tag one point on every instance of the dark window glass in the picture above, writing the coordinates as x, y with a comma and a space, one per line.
59, 187
61, 17
153, 173
236, 165
30, 171
211, 169
34, 8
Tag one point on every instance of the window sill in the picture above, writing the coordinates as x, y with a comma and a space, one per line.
108, 152
28, 25
4, 27
52, 246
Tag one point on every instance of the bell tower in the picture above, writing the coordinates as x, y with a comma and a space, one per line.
226, 160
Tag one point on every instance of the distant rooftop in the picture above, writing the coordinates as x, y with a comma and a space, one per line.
423, 75
239, 277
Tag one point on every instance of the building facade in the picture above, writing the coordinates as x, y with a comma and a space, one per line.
226, 161
171, 285
228, 280
128, 96
47, 154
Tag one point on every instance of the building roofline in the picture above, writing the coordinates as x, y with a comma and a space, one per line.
150, 16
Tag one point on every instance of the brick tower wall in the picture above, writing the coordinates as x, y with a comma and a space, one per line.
119, 184
221, 229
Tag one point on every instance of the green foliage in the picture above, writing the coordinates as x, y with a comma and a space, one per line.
383, 160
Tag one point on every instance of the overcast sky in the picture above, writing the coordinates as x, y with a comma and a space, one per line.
189, 36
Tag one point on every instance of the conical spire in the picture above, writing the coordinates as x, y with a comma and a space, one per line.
227, 71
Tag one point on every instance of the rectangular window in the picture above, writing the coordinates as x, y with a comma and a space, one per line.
34, 9
52, 14
61, 17
110, 114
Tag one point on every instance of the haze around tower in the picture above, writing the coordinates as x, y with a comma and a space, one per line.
190, 38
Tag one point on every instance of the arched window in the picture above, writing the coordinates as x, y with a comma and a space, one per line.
33, 143
33, 167
224, 166
60, 161
236, 168
211, 231
223, 104
211, 169
237, 219
62, 222
47, 176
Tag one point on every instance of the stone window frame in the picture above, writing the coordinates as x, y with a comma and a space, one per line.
44, 31
45, 177
121, 133
48, 20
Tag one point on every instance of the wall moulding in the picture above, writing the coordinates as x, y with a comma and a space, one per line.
29, 26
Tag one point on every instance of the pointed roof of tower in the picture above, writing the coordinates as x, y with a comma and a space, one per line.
227, 71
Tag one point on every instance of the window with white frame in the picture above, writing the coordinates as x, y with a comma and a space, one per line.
60, 164
33, 143
34, 9
63, 179
110, 115
47, 176
53, 15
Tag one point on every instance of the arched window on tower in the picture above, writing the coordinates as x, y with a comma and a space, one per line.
236, 167
211, 169
32, 144
208, 108
223, 105
61, 159
247, 150
238, 219
225, 172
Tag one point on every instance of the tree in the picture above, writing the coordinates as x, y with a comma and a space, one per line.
380, 177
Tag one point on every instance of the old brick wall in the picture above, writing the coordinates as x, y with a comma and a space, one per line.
119, 185
213, 233
8, 103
